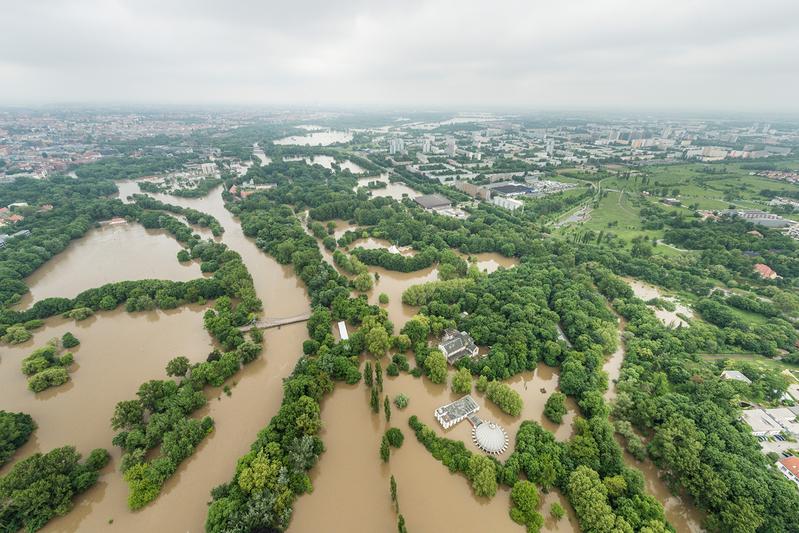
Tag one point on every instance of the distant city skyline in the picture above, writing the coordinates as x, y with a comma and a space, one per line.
708, 56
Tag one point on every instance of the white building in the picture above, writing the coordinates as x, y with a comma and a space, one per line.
451, 147
789, 467
762, 424
208, 168
396, 146
507, 203
452, 413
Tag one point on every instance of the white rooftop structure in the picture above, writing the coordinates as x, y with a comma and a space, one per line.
761, 422
452, 413
342, 331
737, 376
490, 437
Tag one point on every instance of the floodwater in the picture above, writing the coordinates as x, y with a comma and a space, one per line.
679, 510
258, 152
119, 351
110, 253
327, 162
430, 498
317, 138
646, 292
393, 189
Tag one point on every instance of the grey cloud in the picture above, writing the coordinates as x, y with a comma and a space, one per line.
677, 54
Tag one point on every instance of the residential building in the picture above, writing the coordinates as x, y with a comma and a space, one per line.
765, 271
451, 147
455, 345
789, 467
507, 203
475, 191
762, 424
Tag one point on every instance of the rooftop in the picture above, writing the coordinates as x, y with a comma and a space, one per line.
792, 464
734, 374
431, 201
760, 421
454, 412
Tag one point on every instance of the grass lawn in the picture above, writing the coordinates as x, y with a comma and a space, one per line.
729, 185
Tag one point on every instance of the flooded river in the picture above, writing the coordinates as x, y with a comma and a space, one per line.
107, 254
119, 351
680, 510
395, 190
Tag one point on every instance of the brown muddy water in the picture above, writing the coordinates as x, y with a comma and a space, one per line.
393, 190
679, 509
351, 483
119, 351
107, 254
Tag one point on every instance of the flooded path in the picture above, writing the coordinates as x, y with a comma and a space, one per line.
110, 253
647, 292
680, 511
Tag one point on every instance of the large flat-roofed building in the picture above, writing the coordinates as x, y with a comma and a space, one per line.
762, 424
433, 201
769, 220
475, 191
452, 413
512, 189
455, 345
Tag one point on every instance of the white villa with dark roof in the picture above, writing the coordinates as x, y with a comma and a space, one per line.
455, 345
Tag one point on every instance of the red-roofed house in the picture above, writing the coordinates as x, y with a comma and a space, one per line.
765, 271
16, 218
789, 467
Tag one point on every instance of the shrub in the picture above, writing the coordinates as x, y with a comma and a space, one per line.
401, 401
68, 340
383, 298
16, 334
555, 407
395, 437
80, 313
51, 377
505, 397
462, 381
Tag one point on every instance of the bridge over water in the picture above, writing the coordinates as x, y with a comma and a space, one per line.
267, 323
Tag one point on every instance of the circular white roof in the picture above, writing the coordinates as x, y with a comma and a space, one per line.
490, 437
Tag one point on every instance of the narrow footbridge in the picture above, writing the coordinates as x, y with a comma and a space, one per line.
266, 323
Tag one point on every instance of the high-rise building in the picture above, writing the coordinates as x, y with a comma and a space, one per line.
550, 146
427, 145
451, 147
396, 146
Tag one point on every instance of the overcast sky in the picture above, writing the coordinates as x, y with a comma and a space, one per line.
727, 55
